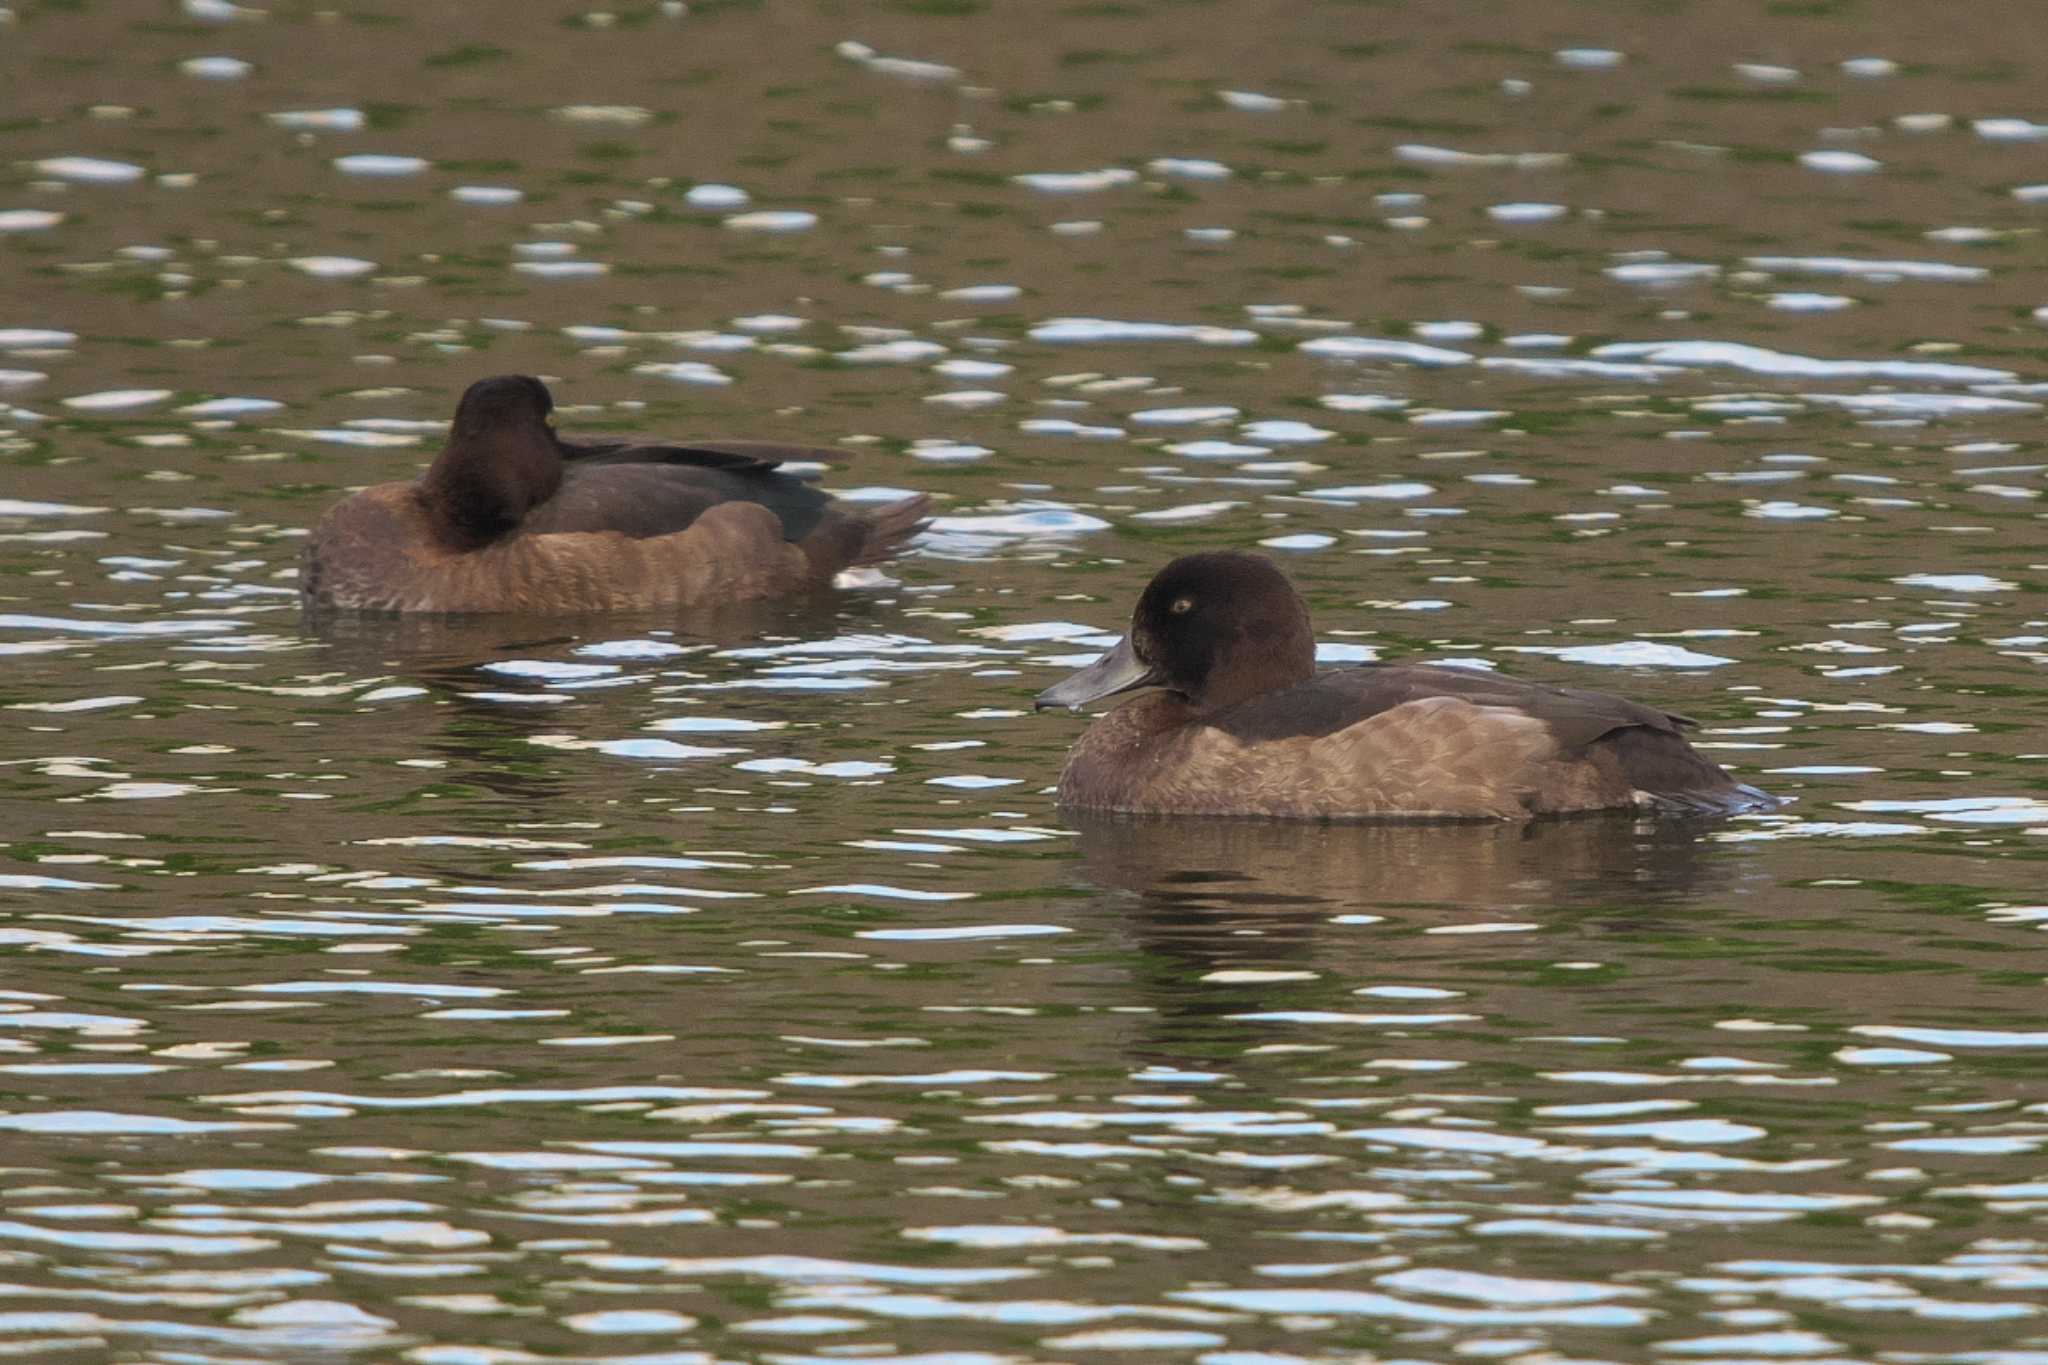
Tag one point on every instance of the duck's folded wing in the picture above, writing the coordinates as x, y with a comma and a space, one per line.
1332, 701
641, 498
1469, 742
731, 457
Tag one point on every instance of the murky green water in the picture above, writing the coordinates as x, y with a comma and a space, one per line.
676, 990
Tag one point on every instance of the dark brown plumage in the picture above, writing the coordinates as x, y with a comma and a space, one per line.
511, 518
1244, 725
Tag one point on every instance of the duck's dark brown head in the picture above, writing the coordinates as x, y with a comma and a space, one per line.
501, 461
1216, 628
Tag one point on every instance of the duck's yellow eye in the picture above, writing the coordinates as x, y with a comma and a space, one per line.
1182, 606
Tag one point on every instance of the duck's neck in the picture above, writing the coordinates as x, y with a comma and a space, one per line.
1268, 655
1106, 767
480, 487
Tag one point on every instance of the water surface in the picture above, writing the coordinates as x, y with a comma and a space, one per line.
730, 988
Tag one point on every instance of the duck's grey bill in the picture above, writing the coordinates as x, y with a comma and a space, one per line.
1120, 670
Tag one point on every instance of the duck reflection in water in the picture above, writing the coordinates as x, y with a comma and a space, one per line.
1215, 896
483, 729
1212, 877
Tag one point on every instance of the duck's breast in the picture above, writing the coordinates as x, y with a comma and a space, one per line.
365, 551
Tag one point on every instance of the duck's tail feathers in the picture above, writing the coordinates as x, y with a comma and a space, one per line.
1736, 798
885, 530
848, 539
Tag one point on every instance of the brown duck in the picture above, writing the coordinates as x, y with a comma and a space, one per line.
512, 518
1241, 723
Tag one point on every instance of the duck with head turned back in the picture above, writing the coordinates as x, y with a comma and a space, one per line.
512, 518
1239, 722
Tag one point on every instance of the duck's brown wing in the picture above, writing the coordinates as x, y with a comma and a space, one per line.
1576, 716
736, 457
1334, 700
1545, 749
643, 497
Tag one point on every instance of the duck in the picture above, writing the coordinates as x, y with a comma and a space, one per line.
1235, 720
511, 517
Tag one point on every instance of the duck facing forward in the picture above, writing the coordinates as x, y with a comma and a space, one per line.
512, 518
1241, 723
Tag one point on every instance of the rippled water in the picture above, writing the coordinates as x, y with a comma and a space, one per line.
676, 990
